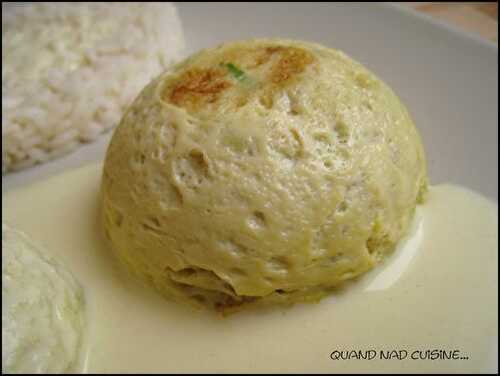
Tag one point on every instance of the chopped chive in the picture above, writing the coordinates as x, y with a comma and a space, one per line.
235, 71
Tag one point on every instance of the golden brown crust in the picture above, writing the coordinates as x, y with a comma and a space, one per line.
198, 87
291, 63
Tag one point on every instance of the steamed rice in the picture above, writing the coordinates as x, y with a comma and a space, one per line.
69, 70
43, 309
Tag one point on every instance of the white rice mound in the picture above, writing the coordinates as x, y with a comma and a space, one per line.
43, 314
70, 69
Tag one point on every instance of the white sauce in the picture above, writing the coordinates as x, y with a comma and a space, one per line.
437, 292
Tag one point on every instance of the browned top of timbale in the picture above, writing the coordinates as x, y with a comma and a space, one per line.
268, 68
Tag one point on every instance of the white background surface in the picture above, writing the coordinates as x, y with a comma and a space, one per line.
447, 79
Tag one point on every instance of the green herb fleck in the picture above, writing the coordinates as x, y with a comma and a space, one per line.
235, 71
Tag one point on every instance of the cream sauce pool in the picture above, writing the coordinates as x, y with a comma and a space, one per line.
435, 298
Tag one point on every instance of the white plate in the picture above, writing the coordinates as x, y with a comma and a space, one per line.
447, 78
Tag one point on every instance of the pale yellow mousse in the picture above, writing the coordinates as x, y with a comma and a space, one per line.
261, 171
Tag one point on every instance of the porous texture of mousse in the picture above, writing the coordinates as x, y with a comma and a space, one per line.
261, 171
